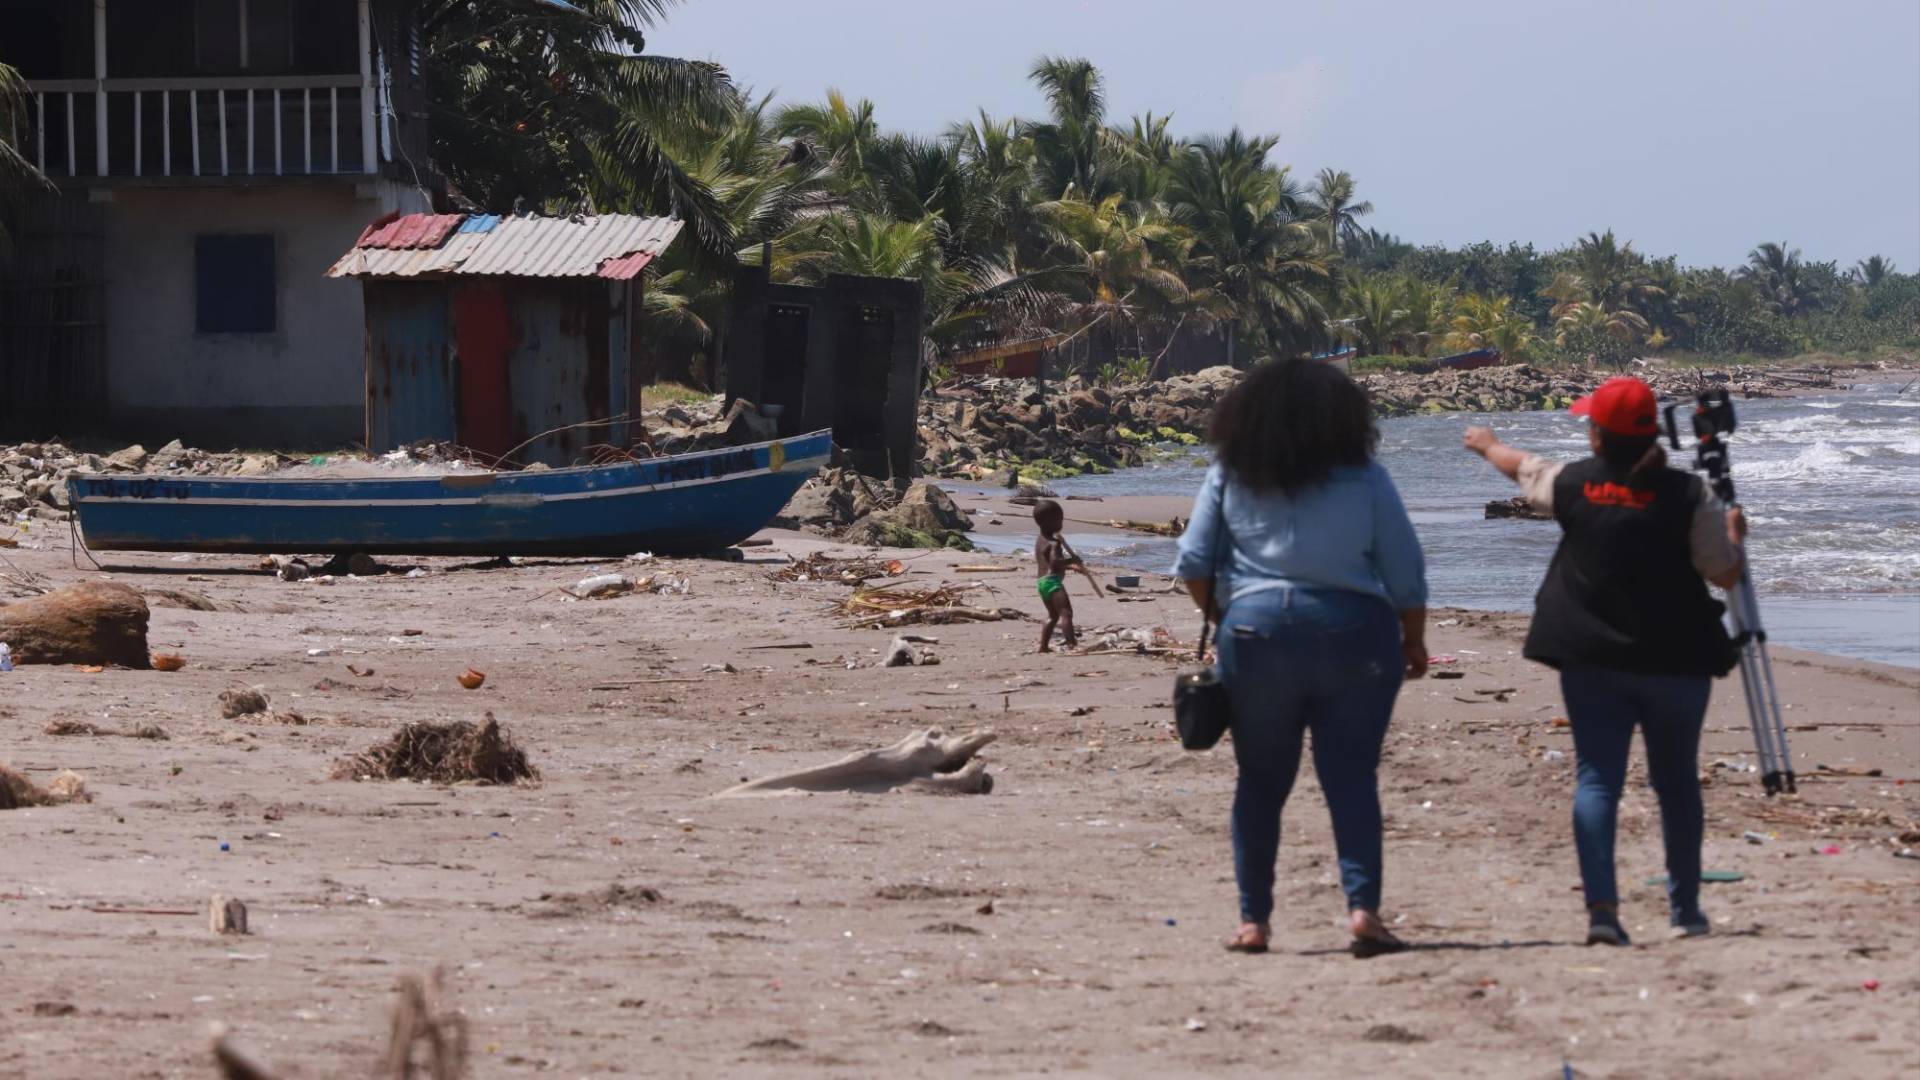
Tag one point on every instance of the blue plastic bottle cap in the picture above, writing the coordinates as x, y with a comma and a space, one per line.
224, 846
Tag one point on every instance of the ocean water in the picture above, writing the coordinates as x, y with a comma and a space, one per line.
1831, 484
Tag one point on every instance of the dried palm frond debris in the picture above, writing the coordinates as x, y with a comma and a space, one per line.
819, 566
445, 753
927, 605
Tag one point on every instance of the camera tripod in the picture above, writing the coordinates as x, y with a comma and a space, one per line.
1713, 420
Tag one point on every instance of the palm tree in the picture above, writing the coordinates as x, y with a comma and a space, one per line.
996, 163
1775, 271
1490, 322
1071, 147
557, 107
766, 191
1252, 261
1375, 315
1145, 152
1109, 259
1873, 270
1429, 316
16, 172
1588, 325
1333, 209
835, 128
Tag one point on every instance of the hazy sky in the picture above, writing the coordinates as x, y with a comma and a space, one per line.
1693, 127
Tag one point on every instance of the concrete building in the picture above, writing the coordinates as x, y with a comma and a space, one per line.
211, 159
844, 354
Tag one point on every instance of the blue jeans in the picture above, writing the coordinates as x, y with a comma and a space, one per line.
1298, 660
1604, 706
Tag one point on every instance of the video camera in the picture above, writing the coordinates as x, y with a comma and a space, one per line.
1712, 419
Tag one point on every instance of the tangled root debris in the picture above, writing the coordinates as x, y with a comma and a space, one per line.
443, 754
242, 701
16, 791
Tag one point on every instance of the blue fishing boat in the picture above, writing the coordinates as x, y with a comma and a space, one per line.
681, 505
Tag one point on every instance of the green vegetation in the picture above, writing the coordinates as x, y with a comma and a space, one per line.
663, 394
1115, 232
16, 172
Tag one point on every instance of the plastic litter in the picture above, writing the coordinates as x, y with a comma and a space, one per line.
601, 585
6, 657
1752, 837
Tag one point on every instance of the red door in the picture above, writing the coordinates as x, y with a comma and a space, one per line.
483, 338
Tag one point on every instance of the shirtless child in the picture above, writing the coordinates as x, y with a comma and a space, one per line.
1054, 557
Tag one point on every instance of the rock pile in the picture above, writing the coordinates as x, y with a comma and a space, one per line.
846, 505
1517, 387
981, 428
33, 476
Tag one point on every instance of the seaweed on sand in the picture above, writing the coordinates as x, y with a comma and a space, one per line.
443, 754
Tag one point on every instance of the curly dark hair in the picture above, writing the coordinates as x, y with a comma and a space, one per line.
1290, 423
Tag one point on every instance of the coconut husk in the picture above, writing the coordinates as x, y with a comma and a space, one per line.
443, 754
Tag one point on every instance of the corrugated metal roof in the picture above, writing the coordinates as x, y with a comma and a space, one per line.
410, 231
616, 246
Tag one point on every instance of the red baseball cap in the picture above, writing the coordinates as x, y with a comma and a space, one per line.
1622, 405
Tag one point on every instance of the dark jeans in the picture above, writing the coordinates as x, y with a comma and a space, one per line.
1299, 660
1604, 707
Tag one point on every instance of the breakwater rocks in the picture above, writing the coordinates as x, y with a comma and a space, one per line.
982, 428
1521, 387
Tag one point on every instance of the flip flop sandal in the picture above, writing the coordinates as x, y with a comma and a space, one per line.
1239, 943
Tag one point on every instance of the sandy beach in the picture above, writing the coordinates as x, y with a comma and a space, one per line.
1070, 921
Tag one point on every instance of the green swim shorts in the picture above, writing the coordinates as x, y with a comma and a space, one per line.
1049, 585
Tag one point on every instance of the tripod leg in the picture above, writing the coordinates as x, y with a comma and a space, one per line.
1763, 700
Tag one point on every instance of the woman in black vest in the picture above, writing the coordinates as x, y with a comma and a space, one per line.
1625, 616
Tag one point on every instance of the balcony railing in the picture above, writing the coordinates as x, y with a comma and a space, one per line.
297, 125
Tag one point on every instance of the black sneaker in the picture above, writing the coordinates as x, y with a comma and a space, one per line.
1691, 924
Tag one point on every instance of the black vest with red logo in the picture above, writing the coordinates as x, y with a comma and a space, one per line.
1622, 592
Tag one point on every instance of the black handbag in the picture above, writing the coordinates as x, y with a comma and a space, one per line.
1201, 710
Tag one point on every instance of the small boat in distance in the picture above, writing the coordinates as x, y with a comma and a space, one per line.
688, 504
1469, 361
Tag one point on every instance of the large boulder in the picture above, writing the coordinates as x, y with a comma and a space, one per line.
128, 460
929, 509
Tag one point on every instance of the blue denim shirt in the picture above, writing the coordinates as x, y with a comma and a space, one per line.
1350, 533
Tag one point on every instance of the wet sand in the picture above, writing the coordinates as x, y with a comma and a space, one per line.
844, 935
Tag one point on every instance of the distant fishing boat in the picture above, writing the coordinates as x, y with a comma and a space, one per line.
1341, 358
687, 504
1467, 361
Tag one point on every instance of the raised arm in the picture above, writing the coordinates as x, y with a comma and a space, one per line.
1482, 441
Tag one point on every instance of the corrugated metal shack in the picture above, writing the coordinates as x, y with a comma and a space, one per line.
490, 331
845, 354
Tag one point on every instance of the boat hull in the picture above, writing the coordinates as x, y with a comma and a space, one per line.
688, 504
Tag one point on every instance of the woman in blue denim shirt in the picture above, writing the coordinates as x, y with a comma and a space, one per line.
1301, 546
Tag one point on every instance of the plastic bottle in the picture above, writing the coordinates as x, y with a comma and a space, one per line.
6, 657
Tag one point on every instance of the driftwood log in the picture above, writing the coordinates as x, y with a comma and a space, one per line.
428, 1040
926, 760
94, 622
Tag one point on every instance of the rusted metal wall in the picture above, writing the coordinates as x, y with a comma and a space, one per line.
410, 386
558, 366
493, 363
